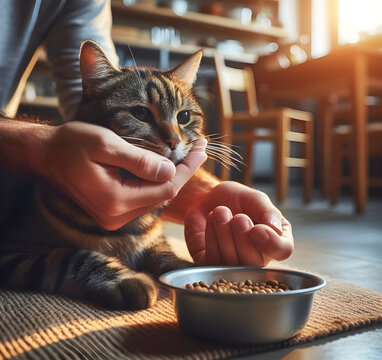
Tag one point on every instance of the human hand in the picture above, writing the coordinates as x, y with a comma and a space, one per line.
84, 160
235, 225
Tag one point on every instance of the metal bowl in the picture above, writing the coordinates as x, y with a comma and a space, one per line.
242, 318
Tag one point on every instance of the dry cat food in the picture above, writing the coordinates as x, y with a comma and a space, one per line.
239, 287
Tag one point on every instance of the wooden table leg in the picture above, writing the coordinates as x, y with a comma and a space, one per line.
358, 134
325, 124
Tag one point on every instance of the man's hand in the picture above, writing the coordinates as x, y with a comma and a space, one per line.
84, 160
236, 225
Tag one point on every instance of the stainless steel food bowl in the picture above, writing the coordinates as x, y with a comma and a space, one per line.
242, 318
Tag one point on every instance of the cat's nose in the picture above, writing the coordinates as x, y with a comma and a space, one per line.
173, 141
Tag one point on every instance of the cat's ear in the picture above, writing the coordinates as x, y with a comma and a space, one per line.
95, 67
186, 71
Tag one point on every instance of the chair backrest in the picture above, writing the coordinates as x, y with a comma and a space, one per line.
238, 80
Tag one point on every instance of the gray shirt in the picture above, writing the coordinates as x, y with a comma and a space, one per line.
61, 26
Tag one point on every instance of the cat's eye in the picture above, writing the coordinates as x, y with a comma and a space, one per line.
183, 117
142, 113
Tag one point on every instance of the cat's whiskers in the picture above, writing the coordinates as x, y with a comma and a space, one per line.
130, 137
145, 143
135, 67
133, 141
221, 152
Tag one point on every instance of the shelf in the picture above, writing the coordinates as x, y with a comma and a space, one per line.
121, 36
45, 101
198, 21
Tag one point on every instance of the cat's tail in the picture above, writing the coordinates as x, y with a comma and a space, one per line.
80, 273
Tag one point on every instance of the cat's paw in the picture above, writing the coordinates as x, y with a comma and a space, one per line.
138, 291
135, 292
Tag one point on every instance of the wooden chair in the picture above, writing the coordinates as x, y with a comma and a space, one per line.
341, 145
279, 123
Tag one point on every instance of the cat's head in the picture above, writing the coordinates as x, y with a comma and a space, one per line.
153, 109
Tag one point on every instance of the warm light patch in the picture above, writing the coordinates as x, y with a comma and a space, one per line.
79, 327
356, 17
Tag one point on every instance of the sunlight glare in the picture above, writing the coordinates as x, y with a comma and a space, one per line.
356, 17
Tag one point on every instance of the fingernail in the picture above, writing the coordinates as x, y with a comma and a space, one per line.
221, 216
241, 224
203, 157
260, 236
276, 222
200, 144
166, 170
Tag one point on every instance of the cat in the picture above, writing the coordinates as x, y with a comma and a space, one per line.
56, 247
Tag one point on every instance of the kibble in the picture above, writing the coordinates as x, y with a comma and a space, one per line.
239, 287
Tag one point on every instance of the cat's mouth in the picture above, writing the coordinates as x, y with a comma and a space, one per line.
176, 156
176, 160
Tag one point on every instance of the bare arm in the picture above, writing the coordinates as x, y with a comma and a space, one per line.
22, 145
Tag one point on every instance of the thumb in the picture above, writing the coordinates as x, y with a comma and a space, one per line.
142, 163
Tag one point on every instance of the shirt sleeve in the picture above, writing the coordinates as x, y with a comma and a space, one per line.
79, 20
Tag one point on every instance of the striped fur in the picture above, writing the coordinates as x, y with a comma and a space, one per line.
56, 247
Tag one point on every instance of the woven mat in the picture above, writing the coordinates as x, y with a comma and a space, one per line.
36, 326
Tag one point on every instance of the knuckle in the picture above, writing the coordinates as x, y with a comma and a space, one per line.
98, 142
264, 198
171, 191
286, 253
143, 164
107, 224
113, 207
287, 223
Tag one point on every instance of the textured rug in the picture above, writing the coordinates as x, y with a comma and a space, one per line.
36, 326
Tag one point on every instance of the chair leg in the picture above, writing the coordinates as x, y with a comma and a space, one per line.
308, 169
336, 171
282, 181
225, 171
248, 161
282, 152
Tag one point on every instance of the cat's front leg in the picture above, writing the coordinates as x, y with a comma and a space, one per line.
80, 273
160, 258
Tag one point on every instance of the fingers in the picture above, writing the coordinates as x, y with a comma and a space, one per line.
194, 233
147, 193
247, 253
212, 250
270, 243
273, 218
188, 167
221, 218
235, 240
261, 209
227, 240
121, 201
143, 163
242, 199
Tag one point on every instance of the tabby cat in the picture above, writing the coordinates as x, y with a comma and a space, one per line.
59, 248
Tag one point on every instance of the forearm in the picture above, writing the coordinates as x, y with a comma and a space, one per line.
23, 145
201, 183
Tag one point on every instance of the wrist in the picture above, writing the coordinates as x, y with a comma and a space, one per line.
195, 190
24, 145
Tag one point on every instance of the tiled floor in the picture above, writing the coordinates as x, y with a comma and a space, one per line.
340, 244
